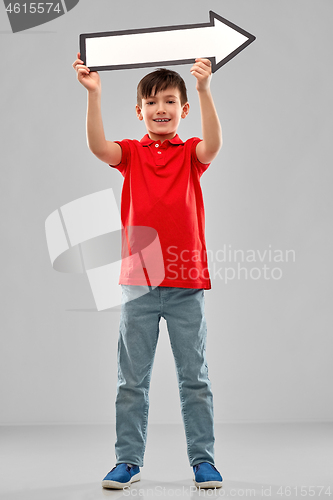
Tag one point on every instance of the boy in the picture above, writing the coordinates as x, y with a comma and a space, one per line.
162, 191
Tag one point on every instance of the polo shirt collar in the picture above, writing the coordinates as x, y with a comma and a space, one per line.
147, 141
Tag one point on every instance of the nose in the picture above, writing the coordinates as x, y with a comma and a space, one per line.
160, 109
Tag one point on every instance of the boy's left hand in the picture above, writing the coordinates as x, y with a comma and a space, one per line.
202, 70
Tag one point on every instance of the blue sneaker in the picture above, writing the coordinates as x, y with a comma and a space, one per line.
121, 475
207, 476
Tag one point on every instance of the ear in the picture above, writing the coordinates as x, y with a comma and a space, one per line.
185, 110
138, 112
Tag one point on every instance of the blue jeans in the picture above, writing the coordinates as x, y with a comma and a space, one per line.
183, 310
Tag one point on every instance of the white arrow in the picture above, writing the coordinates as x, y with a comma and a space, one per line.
219, 40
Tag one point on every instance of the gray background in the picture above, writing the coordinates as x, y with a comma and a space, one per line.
270, 341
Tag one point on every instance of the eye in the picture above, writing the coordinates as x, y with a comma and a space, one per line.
150, 102
170, 102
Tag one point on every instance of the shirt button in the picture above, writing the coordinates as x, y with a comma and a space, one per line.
159, 152
156, 145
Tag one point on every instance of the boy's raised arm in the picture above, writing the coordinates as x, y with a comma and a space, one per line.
208, 148
107, 151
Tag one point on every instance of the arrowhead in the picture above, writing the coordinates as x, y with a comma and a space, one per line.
229, 40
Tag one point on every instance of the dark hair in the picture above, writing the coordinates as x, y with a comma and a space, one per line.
159, 80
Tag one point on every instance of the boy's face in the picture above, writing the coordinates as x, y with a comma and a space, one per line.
162, 113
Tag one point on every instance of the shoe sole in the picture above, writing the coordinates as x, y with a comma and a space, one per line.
208, 484
115, 485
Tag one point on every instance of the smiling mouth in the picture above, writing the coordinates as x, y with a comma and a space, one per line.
161, 120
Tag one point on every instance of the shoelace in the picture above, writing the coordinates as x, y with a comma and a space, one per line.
128, 468
197, 467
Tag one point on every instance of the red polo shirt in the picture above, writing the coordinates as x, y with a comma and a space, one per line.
162, 191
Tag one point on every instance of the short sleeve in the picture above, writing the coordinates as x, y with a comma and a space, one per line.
201, 167
122, 166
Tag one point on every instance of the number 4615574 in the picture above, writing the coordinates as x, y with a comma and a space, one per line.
34, 8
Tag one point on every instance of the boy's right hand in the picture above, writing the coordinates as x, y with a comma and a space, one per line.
89, 79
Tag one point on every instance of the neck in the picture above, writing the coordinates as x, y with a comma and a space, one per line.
162, 138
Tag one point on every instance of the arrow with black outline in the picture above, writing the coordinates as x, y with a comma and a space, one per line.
218, 40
